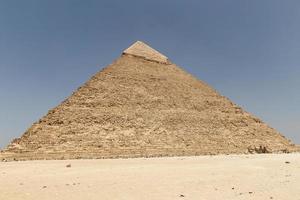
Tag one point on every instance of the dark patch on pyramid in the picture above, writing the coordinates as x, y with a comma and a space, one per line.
142, 105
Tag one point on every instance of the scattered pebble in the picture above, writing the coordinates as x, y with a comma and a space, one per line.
232, 188
44, 186
68, 165
250, 192
287, 162
181, 195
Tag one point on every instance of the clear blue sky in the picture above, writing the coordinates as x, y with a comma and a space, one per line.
248, 50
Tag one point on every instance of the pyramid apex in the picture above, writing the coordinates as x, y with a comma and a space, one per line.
140, 49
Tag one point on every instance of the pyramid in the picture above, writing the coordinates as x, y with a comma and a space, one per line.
142, 105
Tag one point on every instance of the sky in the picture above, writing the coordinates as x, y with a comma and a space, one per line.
247, 50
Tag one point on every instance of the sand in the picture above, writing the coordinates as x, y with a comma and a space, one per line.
205, 177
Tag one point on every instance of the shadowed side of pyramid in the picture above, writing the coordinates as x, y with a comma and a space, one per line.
140, 106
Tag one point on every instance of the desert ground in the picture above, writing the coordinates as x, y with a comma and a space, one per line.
264, 176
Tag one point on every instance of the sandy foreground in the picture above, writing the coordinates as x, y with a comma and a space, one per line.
204, 177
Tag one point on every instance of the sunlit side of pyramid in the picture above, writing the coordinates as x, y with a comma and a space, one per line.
143, 105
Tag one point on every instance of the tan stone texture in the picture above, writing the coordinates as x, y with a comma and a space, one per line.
139, 107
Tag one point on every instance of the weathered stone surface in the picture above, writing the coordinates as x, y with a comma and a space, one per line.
136, 107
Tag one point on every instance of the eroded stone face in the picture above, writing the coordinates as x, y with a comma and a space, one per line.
139, 108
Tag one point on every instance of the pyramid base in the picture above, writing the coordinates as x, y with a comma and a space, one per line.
23, 156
